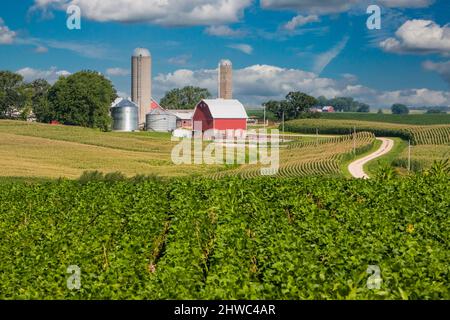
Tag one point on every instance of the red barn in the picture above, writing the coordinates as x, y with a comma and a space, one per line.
220, 114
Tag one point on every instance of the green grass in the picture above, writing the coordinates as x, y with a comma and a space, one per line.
386, 160
415, 119
344, 165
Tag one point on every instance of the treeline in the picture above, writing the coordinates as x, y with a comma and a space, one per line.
343, 104
299, 105
81, 99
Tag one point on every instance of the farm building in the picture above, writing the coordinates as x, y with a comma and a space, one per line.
184, 118
220, 114
160, 120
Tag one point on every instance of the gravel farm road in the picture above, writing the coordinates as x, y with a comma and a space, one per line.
356, 167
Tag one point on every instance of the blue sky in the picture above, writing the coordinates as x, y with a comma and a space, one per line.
276, 46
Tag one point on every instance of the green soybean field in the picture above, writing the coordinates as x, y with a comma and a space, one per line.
261, 238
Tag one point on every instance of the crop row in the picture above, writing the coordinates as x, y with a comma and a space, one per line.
322, 157
433, 134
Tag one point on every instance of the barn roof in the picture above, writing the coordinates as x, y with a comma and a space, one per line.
183, 114
226, 109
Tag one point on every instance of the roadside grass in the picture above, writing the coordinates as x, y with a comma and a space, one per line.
386, 160
345, 164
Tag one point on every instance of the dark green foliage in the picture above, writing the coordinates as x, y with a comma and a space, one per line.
399, 109
82, 99
91, 176
386, 173
265, 238
39, 100
185, 98
12, 95
436, 111
440, 168
297, 104
345, 104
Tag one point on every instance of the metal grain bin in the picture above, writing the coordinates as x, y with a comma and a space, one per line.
161, 121
125, 115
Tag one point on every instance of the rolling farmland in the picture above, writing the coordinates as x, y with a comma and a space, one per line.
44, 151
432, 134
322, 157
411, 119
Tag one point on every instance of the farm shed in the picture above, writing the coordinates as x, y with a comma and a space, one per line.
184, 118
220, 114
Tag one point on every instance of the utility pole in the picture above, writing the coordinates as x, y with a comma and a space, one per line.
317, 137
409, 155
265, 116
354, 140
283, 127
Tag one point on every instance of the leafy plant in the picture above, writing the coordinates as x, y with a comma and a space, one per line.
263, 238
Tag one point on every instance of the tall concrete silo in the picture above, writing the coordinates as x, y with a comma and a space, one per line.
225, 79
141, 82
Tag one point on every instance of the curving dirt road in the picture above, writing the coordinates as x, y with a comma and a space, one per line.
356, 167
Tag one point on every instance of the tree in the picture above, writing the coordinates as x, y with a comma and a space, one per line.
39, 100
185, 98
322, 101
399, 109
380, 111
296, 104
276, 107
82, 99
363, 107
12, 95
435, 111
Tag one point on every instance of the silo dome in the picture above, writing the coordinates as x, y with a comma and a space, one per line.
225, 62
141, 52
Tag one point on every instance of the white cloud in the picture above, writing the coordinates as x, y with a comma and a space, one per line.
161, 12
180, 60
324, 59
416, 97
300, 20
7, 36
406, 3
41, 49
51, 75
224, 31
245, 48
310, 6
84, 49
259, 83
419, 37
117, 72
443, 68
322, 7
